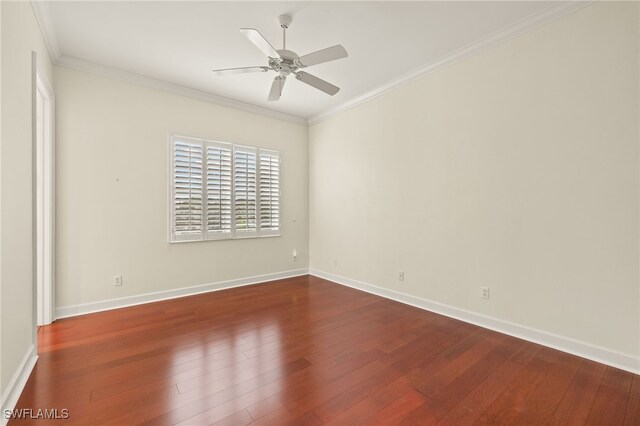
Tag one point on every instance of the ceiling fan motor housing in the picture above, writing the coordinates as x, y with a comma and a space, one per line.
288, 62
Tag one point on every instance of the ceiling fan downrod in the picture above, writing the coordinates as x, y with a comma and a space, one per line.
284, 21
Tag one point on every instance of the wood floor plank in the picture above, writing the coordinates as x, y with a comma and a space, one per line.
194, 403
545, 398
403, 360
296, 404
610, 405
461, 382
326, 377
470, 408
458, 365
360, 412
575, 406
395, 411
632, 415
241, 417
506, 408
306, 351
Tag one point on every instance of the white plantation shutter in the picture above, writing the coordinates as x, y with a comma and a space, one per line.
269, 192
245, 191
187, 190
218, 191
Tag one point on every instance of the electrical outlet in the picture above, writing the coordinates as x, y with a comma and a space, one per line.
294, 255
484, 292
117, 280
401, 276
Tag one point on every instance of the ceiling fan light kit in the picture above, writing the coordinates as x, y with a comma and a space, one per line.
286, 62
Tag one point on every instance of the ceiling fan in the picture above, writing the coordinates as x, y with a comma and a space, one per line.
286, 62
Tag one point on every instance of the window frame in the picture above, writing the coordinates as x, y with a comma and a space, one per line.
233, 234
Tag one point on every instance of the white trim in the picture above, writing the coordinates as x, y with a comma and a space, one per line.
45, 195
18, 382
562, 343
150, 82
88, 308
511, 31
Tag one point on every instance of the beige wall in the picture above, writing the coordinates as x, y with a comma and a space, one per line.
20, 36
111, 213
515, 169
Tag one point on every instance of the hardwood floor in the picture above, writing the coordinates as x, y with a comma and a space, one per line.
306, 351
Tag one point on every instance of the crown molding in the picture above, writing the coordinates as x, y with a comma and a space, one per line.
498, 37
43, 15
150, 82
42, 12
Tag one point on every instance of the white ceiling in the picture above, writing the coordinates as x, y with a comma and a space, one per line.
181, 42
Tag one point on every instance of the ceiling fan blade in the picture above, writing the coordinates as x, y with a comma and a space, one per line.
261, 43
276, 88
324, 55
243, 70
318, 83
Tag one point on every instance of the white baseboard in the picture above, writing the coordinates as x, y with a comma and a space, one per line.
566, 344
17, 383
123, 302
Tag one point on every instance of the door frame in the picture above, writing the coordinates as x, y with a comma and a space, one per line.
44, 207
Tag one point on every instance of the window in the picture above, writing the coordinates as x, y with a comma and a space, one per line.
221, 191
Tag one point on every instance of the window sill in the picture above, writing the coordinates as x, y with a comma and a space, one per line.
246, 237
